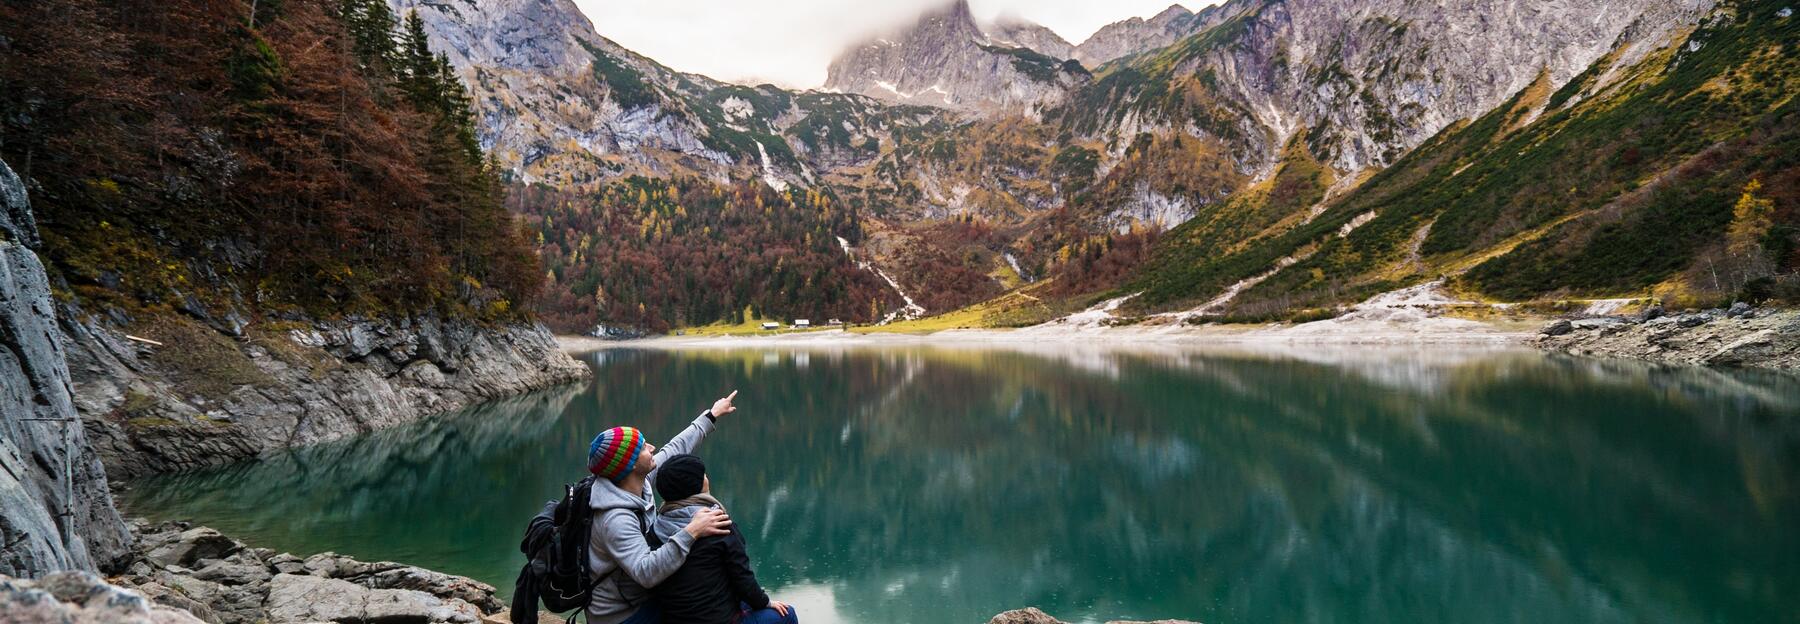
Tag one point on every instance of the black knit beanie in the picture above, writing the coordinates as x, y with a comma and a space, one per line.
680, 477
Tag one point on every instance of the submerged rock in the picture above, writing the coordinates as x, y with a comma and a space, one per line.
1032, 615
1028, 615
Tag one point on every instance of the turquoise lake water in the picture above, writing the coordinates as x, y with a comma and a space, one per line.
913, 484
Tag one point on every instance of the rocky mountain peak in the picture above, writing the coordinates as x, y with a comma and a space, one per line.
1017, 32
1131, 36
1171, 14
946, 60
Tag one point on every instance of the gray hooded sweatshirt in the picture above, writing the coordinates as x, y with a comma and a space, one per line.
618, 555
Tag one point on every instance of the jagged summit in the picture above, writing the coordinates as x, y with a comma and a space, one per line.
1017, 32
946, 59
1131, 36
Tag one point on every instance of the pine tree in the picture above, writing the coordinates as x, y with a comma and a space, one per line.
430, 81
371, 25
418, 66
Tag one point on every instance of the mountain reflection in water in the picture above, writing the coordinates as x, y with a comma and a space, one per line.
948, 484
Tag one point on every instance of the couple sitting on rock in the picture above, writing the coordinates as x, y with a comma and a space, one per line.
686, 552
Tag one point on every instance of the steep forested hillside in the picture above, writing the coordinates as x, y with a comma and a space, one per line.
1674, 176
240, 157
654, 254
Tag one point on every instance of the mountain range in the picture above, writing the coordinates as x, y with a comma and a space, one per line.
1151, 158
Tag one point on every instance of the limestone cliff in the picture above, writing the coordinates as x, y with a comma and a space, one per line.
55, 512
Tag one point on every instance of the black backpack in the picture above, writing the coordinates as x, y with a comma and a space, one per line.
556, 552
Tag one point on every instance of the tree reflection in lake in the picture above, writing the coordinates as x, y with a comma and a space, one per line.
938, 484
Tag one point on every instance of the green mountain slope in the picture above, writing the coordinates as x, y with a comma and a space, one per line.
1600, 188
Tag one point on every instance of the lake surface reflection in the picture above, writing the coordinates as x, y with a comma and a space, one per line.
948, 484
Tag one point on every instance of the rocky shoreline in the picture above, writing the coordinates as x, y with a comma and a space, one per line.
182, 574
194, 396
1739, 337
179, 573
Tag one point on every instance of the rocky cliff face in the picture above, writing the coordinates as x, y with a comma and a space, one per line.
946, 60
1128, 37
55, 511
562, 105
201, 397
1367, 80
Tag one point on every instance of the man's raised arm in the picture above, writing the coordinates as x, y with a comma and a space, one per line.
685, 442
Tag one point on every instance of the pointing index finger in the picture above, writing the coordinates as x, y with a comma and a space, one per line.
733, 395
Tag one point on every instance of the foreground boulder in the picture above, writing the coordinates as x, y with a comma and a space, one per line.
82, 598
218, 580
296, 598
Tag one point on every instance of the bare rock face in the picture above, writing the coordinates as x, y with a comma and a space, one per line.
552, 96
946, 60
1366, 80
1128, 37
55, 511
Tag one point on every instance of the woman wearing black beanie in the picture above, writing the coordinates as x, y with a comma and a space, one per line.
715, 585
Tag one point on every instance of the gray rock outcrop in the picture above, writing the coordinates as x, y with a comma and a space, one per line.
202, 397
185, 575
1754, 339
55, 511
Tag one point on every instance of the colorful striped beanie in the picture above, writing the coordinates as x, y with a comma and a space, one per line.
615, 452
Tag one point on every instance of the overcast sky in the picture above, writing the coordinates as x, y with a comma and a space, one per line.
790, 42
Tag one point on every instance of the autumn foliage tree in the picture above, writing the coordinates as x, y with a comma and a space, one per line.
653, 254
305, 156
